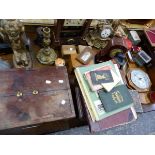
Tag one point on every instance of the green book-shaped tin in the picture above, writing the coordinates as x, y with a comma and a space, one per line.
118, 98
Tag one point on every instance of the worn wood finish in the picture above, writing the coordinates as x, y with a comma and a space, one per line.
76, 35
85, 27
52, 103
56, 34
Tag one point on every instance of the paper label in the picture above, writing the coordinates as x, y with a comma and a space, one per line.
134, 35
144, 56
99, 106
86, 56
61, 81
63, 102
48, 82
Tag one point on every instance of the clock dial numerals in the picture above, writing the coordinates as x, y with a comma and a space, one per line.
140, 79
106, 33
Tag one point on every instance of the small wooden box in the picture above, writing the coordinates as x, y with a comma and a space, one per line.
86, 56
30, 98
81, 48
68, 49
73, 62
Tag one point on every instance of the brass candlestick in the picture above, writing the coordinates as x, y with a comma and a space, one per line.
46, 55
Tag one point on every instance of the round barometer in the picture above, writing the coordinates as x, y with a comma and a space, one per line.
139, 79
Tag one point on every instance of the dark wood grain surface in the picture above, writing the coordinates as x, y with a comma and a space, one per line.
52, 103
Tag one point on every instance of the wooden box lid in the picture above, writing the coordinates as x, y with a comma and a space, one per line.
68, 49
34, 96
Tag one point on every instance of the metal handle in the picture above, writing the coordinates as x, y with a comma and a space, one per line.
35, 92
19, 94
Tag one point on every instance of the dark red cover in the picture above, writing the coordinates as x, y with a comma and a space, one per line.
150, 33
120, 118
123, 117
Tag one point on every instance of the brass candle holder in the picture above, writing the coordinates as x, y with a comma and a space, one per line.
46, 55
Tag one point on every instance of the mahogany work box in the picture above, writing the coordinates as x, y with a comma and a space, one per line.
32, 100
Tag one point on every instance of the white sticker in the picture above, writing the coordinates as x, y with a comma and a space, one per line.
99, 106
145, 56
48, 82
61, 81
86, 56
63, 102
70, 48
135, 35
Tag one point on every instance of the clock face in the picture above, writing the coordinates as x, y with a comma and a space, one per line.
140, 79
106, 32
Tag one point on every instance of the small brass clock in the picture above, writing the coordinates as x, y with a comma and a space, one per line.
106, 31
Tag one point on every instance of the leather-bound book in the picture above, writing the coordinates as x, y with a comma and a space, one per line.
124, 117
121, 118
150, 34
118, 98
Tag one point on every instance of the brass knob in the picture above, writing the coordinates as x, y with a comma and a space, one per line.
35, 92
71, 41
19, 94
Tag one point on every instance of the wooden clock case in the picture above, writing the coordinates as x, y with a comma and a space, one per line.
69, 35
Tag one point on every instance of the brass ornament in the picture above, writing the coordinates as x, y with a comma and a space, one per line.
46, 55
100, 44
35, 92
94, 37
14, 30
19, 94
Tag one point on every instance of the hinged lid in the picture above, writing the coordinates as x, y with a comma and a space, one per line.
35, 96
